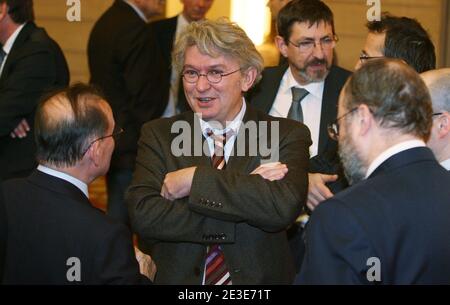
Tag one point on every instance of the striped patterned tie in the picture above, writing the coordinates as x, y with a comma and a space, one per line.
216, 271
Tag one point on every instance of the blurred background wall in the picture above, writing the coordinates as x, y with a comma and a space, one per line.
254, 17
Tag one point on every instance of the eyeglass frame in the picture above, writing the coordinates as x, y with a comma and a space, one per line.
364, 57
206, 75
115, 135
334, 39
333, 127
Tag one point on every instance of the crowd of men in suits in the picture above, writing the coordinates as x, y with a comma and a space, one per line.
351, 184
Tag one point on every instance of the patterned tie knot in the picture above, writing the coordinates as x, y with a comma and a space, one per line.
220, 140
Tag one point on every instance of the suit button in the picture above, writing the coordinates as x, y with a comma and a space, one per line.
236, 270
223, 236
220, 205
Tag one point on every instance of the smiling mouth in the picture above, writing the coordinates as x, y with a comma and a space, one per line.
203, 101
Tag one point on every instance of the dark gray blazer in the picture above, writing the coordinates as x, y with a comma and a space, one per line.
245, 213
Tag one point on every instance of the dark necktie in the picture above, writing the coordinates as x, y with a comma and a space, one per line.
296, 112
216, 271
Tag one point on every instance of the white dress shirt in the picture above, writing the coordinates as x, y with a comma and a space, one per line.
9, 44
171, 108
311, 105
234, 125
393, 150
446, 164
78, 183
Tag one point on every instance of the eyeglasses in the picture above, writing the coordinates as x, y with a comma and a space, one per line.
364, 57
213, 76
437, 113
325, 43
333, 128
115, 135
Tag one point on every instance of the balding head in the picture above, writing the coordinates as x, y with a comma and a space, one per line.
438, 83
67, 121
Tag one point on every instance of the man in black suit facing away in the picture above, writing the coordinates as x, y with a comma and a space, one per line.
125, 62
391, 226
167, 30
52, 226
31, 64
306, 39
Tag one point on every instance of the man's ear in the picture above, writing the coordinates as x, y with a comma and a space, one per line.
364, 119
281, 45
443, 125
3, 10
248, 79
94, 153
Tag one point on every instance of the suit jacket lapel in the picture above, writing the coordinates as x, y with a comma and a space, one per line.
20, 40
241, 163
329, 108
269, 88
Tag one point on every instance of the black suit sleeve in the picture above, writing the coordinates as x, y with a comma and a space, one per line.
337, 248
144, 72
32, 73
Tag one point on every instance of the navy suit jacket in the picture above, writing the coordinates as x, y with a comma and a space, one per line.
49, 221
399, 215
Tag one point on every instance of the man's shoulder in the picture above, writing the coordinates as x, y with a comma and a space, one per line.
164, 23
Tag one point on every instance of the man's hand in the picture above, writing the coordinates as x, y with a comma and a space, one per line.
178, 184
21, 130
271, 171
147, 266
317, 190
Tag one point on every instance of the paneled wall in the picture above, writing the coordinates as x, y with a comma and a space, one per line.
350, 18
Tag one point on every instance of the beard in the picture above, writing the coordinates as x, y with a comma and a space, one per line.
316, 75
354, 166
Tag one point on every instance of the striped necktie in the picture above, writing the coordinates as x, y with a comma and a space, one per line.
216, 270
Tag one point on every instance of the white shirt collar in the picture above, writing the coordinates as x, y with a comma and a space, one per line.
230, 125
315, 88
182, 23
446, 164
78, 183
137, 10
10, 42
393, 150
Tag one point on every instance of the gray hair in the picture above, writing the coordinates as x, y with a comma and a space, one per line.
215, 38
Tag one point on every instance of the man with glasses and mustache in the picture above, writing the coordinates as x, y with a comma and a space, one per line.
51, 223
306, 89
391, 226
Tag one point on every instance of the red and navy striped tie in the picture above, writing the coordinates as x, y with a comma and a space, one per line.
216, 270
